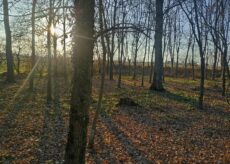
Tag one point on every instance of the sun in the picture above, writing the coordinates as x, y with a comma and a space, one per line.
53, 30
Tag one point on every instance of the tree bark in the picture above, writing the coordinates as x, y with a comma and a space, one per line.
9, 55
157, 83
33, 43
49, 83
93, 129
112, 42
64, 43
82, 81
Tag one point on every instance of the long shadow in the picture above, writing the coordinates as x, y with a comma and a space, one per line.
51, 147
60, 132
136, 154
9, 120
96, 156
177, 97
178, 123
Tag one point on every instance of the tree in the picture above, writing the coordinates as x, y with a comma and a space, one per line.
33, 42
157, 83
112, 42
49, 83
82, 81
198, 31
93, 129
9, 55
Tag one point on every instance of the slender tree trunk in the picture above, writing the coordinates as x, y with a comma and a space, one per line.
64, 43
151, 65
119, 40
202, 72
135, 58
9, 55
18, 61
55, 55
143, 63
33, 57
55, 71
112, 42
177, 61
223, 72
122, 47
214, 63
129, 61
82, 82
193, 65
49, 83
186, 58
93, 129
206, 67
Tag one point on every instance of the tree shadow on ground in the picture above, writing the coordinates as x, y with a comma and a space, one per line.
178, 98
15, 106
167, 120
97, 157
137, 155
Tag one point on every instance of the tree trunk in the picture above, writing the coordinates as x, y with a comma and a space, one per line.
157, 83
82, 82
9, 55
193, 65
135, 57
49, 83
143, 63
93, 129
202, 76
186, 57
64, 43
122, 47
214, 63
223, 72
18, 61
33, 44
151, 65
177, 61
112, 42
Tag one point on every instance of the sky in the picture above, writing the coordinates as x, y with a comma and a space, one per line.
16, 10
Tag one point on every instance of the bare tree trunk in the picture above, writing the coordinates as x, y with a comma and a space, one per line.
186, 58
177, 61
33, 57
122, 46
202, 72
112, 42
64, 43
93, 129
223, 72
49, 83
55, 71
214, 63
157, 83
18, 61
82, 82
193, 65
135, 57
9, 55
55, 55
143, 63
151, 65
129, 61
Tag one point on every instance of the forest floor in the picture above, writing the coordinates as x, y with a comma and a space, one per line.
167, 127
